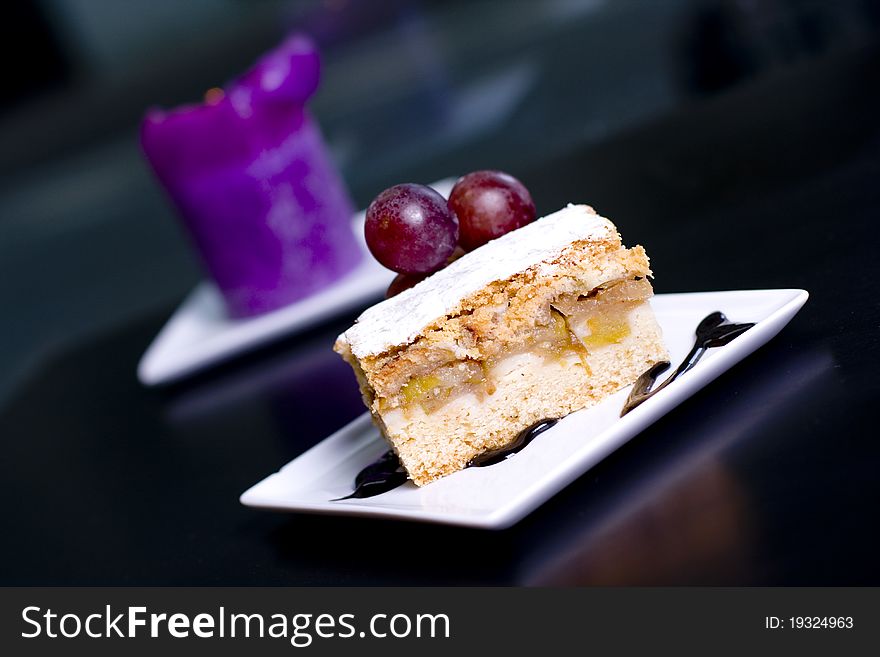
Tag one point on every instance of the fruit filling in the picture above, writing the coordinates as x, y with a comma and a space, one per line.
571, 328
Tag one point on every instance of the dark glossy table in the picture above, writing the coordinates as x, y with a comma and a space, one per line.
767, 476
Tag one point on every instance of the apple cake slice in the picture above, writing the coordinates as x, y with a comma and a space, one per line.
546, 320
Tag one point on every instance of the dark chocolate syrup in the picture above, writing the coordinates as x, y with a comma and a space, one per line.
382, 475
387, 473
713, 331
523, 438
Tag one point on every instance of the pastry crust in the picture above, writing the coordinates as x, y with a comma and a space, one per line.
492, 326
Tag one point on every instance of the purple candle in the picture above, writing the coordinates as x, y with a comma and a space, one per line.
254, 184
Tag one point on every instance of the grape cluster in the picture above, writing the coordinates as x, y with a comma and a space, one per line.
413, 230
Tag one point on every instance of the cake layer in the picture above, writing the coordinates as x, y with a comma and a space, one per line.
427, 372
398, 321
528, 388
491, 320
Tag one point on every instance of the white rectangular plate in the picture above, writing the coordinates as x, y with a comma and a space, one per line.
498, 496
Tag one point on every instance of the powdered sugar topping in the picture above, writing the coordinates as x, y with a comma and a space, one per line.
399, 320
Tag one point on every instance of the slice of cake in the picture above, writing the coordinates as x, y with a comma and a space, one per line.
546, 320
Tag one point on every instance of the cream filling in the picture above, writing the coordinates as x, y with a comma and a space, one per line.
529, 387
572, 329
507, 374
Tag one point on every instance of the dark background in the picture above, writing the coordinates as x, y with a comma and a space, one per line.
737, 140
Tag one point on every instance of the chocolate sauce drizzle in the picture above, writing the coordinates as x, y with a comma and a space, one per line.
387, 473
379, 477
713, 331
524, 437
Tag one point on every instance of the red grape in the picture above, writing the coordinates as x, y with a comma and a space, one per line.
410, 229
489, 204
403, 282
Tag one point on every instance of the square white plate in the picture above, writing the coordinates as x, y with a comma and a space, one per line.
498, 496
200, 334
